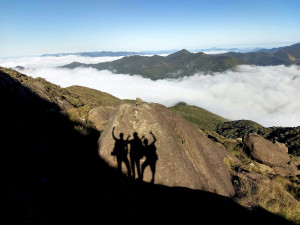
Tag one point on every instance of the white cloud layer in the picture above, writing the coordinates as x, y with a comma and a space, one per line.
52, 61
267, 95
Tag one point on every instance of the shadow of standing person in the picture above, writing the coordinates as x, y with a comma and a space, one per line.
121, 151
151, 157
136, 153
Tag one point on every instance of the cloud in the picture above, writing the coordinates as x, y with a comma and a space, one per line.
267, 95
215, 52
52, 61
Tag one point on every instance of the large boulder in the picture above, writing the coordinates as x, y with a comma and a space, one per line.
265, 151
99, 116
186, 157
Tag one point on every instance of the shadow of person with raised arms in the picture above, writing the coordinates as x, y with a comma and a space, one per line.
121, 151
151, 157
136, 153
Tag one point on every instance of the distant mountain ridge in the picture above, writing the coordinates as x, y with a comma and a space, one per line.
129, 53
109, 53
269, 57
176, 65
93, 54
184, 63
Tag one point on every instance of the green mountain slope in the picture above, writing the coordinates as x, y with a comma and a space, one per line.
75, 101
238, 128
184, 63
199, 117
218, 128
270, 57
290, 53
179, 64
259, 58
92, 97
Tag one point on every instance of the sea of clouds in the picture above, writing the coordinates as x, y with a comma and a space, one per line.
268, 95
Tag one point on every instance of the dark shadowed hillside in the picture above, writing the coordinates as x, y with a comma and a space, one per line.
52, 174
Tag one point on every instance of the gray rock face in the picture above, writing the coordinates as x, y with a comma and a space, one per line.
265, 151
185, 156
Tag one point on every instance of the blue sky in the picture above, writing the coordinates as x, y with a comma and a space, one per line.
35, 27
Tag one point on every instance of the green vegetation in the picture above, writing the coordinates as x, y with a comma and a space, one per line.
259, 58
199, 117
238, 128
92, 97
279, 195
84, 99
279, 56
74, 101
179, 64
184, 63
221, 127
274, 193
289, 53
274, 196
234, 146
290, 136
130, 101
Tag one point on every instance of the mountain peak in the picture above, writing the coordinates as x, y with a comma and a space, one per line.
178, 54
184, 51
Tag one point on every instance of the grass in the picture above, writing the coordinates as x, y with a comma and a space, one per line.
278, 195
92, 97
197, 116
273, 196
74, 101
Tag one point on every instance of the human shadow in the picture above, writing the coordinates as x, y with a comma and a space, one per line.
135, 155
151, 157
138, 149
120, 151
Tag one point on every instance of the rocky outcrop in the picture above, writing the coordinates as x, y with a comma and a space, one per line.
265, 151
99, 116
282, 146
186, 157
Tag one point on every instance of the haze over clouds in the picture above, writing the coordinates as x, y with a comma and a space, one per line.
51, 61
268, 95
